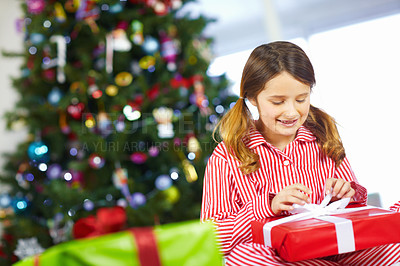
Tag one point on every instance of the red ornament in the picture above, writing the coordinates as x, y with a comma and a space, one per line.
76, 110
178, 82
153, 92
49, 74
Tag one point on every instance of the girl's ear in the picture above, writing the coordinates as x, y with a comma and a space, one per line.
252, 101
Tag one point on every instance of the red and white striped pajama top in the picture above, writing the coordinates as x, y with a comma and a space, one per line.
232, 200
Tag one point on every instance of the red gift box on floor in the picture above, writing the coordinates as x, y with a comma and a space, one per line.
314, 238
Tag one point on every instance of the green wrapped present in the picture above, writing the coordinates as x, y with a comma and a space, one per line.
185, 243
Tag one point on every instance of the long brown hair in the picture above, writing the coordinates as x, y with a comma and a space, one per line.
265, 62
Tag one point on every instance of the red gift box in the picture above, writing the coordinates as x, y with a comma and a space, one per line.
314, 238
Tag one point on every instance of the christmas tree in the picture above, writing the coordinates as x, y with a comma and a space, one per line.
119, 111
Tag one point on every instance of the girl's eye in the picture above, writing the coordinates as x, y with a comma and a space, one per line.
301, 101
277, 103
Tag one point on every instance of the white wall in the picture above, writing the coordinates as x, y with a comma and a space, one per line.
10, 40
357, 72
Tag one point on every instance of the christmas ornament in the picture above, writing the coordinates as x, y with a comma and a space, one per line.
188, 168
138, 199
104, 124
120, 41
163, 182
60, 231
137, 32
174, 173
96, 161
94, 91
138, 157
28, 247
5, 201
161, 8
119, 124
163, 117
219, 109
49, 75
203, 48
109, 53
135, 68
172, 194
111, 90
38, 152
88, 205
89, 12
154, 151
116, 8
59, 13
76, 179
169, 51
72, 5
35, 6
90, 122
54, 171
150, 45
153, 93
19, 204
28, 177
198, 97
61, 56
54, 96
19, 175
193, 146
63, 123
147, 62
120, 180
123, 79
122, 203
130, 113
36, 38
77, 87
76, 110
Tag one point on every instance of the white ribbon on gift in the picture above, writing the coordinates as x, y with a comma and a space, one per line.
343, 226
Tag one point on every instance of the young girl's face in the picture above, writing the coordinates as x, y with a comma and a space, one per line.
283, 106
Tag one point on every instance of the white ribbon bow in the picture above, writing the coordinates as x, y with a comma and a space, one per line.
343, 226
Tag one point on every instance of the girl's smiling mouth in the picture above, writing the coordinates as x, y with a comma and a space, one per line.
287, 123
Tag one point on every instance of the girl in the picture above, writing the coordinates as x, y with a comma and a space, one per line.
291, 154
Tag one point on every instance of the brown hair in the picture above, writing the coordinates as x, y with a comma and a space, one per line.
265, 62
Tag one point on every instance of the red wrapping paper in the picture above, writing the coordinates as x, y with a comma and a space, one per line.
313, 238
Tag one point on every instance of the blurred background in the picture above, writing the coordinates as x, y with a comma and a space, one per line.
353, 45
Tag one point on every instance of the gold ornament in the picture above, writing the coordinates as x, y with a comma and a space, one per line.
147, 61
172, 194
123, 79
111, 90
77, 87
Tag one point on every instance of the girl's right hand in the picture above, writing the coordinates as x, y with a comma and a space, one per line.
296, 193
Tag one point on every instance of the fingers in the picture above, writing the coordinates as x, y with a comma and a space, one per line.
339, 188
350, 193
296, 193
330, 182
302, 188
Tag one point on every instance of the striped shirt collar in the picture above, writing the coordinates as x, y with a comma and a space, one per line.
254, 137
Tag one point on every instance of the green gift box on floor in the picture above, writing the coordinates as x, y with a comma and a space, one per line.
185, 243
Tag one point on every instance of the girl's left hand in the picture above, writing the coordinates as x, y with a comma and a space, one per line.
339, 187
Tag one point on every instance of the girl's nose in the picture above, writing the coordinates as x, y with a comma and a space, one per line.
291, 110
